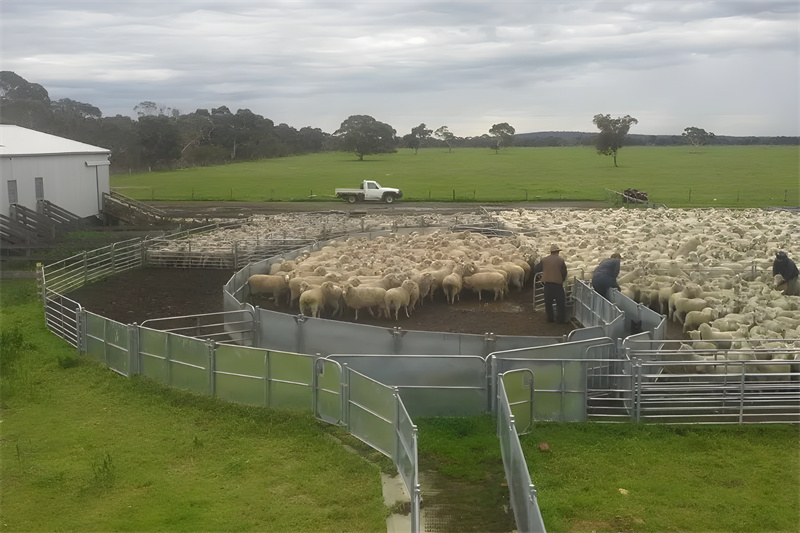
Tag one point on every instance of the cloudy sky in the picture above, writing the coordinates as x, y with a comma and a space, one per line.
729, 67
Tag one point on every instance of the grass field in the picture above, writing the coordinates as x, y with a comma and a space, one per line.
673, 478
84, 449
722, 176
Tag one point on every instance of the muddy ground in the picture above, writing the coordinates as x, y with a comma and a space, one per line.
142, 294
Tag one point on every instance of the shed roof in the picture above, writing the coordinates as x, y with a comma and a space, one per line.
19, 141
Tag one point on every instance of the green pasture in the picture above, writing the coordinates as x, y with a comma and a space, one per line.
631, 477
85, 449
723, 176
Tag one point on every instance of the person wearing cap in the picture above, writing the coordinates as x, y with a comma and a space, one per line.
788, 271
605, 275
554, 273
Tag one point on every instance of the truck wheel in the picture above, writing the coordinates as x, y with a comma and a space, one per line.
352, 198
388, 198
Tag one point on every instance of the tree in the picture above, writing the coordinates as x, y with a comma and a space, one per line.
503, 135
160, 141
363, 135
444, 134
418, 136
612, 133
697, 136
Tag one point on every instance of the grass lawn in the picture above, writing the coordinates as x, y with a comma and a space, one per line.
628, 477
722, 176
84, 449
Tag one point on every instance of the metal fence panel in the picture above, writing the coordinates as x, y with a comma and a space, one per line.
277, 331
61, 317
518, 387
560, 376
328, 391
371, 411
188, 360
635, 312
87, 267
290, 378
429, 385
715, 385
153, 352
415, 342
407, 462
109, 342
522, 492
330, 336
239, 374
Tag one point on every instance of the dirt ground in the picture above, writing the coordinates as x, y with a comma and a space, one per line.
139, 295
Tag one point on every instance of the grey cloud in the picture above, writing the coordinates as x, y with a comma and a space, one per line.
318, 58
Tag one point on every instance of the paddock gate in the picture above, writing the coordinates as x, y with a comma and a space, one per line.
374, 381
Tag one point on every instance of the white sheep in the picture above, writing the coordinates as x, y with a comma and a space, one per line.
364, 297
683, 306
487, 281
333, 298
694, 319
311, 300
400, 297
722, 339
453, 282
275, 284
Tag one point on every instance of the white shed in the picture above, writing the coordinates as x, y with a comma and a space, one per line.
38, 166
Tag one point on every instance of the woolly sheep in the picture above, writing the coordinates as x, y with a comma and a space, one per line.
311, 300
398, 297
333, 298
694, 319
453, 282
364, 297
275, 284
722, 339
487, 281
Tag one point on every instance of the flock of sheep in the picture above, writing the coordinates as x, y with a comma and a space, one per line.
390, 275
236, 242
707, 269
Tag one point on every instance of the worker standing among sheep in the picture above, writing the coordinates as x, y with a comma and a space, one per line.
554, 273
788, 271
605, 275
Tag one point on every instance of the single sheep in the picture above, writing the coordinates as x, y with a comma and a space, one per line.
275, 284
364, 297
398, 297
311, 300
487, 281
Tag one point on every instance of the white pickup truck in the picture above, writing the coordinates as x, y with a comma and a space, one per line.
370, 190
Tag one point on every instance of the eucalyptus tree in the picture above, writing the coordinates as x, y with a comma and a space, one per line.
697, 136
363, 135
418, 136
612, 133
445, 135
503, 135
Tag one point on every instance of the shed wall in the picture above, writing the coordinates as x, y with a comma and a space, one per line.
68, 181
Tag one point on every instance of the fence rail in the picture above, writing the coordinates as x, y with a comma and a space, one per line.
522, 492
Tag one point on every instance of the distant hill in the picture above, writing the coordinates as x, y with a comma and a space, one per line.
582, 138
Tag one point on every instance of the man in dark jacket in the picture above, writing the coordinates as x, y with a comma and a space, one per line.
788, 271
554, 273
605, 275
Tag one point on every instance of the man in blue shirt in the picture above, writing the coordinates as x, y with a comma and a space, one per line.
605, 275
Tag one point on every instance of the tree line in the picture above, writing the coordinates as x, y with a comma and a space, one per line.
161, 137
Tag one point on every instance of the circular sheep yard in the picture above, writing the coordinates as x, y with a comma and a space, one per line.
722, 257
150, 293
